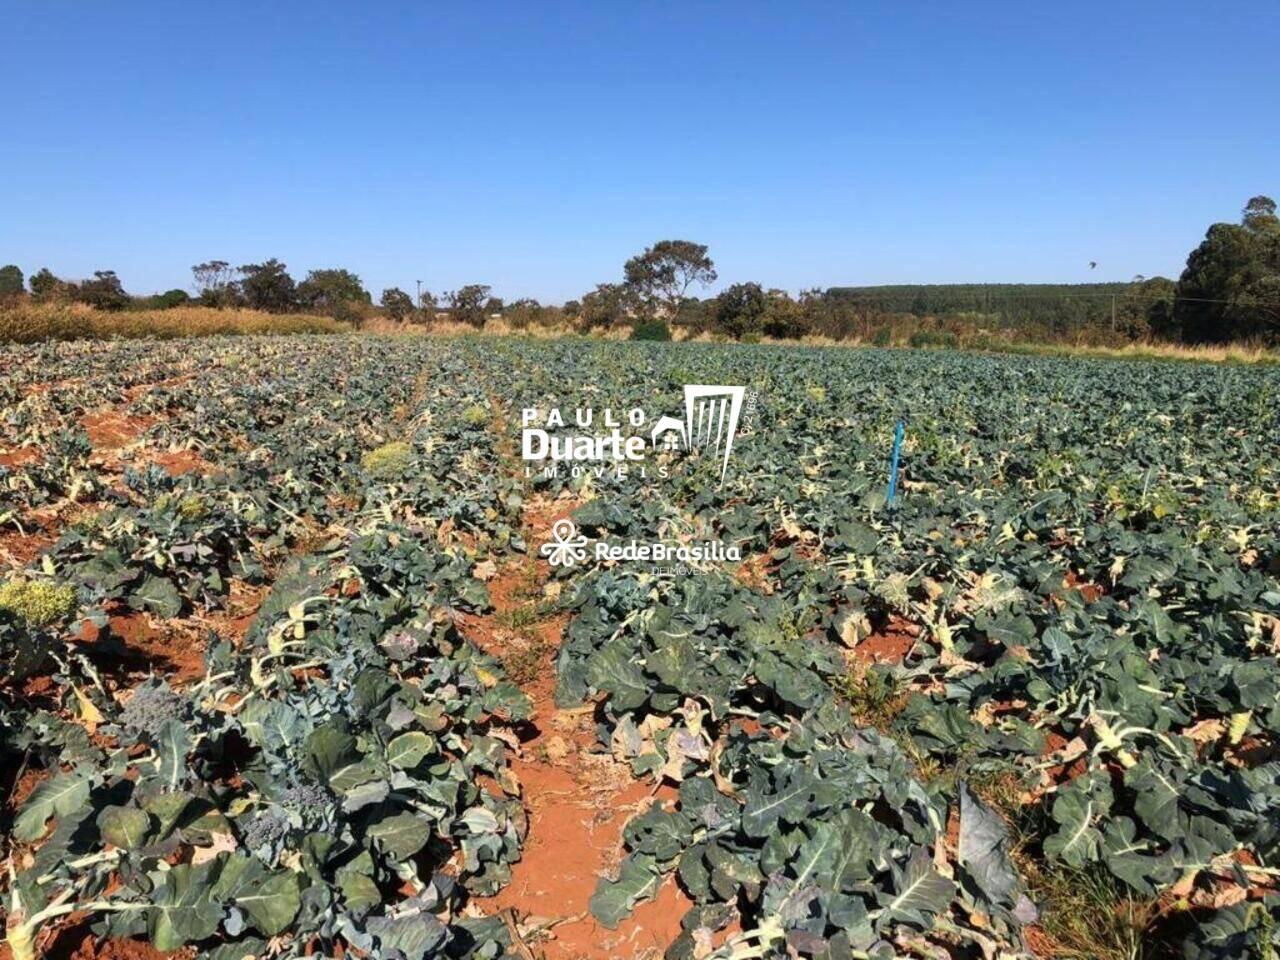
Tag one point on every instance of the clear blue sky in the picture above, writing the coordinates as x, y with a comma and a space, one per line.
535, 146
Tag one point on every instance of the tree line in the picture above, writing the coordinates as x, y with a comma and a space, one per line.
1229, 291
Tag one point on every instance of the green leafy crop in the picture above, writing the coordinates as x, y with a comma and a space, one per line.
1075, 590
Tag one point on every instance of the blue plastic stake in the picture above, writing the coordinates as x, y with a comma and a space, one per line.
898, 433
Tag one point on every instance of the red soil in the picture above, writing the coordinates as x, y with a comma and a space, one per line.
578, 797
890, 645
18, 549
111, 430
19, 457
177, 462
78, 942
176, 652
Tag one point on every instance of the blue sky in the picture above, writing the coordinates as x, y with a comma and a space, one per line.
535, 146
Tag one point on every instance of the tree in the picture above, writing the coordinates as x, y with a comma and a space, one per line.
103, 292
783, 317
45, 286
1259, 214
1230, 289
168, 300
268, 286
396, 303
740, 309
525, 313
608, 305
467, 304
427, 302
11, 282
661, 276
334, 292
215, 283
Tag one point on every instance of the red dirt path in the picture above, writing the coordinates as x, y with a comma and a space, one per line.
578, 798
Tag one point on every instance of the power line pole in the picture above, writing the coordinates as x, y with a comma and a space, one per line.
419, 283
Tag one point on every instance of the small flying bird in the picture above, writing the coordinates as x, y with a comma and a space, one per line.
1092, 264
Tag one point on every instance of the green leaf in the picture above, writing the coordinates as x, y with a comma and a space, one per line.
329, 748
920, 893
1155, 798
763, 810
58, 796
168, 809
1078, 809
272, 901
638, 879
402, 835
611, 671
408, 749
157, 595
414, 936
172, 744
355, 880
983, 853
183, 911
124, 827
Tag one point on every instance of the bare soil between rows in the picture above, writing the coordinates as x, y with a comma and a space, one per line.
577, 796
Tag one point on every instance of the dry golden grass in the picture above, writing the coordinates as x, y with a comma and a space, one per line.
31, 322
27, 322
1232, 353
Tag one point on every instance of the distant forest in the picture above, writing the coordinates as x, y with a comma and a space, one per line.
1228, 292
1142, 307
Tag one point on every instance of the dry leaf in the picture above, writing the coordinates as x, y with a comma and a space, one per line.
90, 716
222, 843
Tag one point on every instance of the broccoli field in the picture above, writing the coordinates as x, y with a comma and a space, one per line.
285, 669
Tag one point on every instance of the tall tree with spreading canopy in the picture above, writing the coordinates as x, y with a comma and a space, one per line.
739, 310
215, 283
663, 274
104, 291
608, 305
268, 286
397, 304
467, 304
1230, 289
335, 292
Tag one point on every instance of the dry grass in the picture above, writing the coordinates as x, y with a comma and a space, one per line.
1232, 353
28, 323
1246, 353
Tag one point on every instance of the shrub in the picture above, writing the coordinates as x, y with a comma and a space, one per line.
388, 460
934, 338
882, 337
651, 330
170, 299
38, 603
